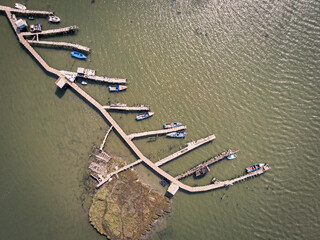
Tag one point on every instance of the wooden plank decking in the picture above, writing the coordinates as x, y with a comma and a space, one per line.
52, 31
156, 132
191, 146
59, 45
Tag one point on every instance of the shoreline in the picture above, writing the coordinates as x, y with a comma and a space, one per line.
129, 204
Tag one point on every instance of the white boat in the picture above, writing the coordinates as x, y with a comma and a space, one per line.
54, 19
70, 77
232, 156
20, 6
84, 83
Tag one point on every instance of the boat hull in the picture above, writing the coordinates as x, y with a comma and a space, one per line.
178, 134
171, 125
78, 55
54, 19
232, 156
117, 88
145, 115
253, 168
20, 6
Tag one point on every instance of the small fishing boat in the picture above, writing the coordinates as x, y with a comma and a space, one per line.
84, 83
253, 168
144, 115
232, 156
117, 88
171, 125
20, 6
214, 180
78, 55
54, 19
31, 18
177, 134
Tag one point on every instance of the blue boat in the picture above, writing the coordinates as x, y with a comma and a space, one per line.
117, 88
144, 115
172, 125
232, 156
78, 55
177, 134
253, 168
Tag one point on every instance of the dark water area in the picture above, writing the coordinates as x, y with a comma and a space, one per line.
246, 71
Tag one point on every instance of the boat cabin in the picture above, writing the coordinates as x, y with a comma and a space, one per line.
35, 28
202, 171
21, 24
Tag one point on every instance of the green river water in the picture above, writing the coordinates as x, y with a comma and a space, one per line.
247, 71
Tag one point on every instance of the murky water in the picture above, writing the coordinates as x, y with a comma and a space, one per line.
247, 71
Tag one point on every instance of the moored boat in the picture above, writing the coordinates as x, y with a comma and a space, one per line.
171, 125
253, 168
214, 180
70, 77
84, 83
177, 134
31, 18
144, 115
232, 156
78, 55
117, 88
54, 19
20, 6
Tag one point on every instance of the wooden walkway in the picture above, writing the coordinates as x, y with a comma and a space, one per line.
191, 146
232, 181
103, 180
156, 132
26, 12
205, 164
59, 45
97, 78
108, 117
124, 107
52, 31
105, 138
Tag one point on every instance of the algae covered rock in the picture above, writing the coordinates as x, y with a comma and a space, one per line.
125, 208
